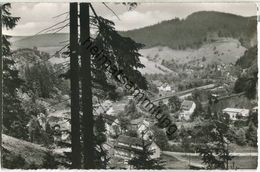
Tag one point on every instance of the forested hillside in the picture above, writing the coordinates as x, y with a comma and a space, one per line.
248, 59
247, 82
196, 29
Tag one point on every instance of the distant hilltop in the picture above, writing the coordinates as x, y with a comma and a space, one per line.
41, 40
192, 32
196, 29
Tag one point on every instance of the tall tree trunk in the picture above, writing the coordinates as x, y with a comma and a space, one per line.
74, 86
1, 82
87, 120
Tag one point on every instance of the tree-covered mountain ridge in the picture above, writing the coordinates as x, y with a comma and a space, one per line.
197, 29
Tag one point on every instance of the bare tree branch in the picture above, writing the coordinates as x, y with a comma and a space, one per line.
61, 14
111, 10
62, 27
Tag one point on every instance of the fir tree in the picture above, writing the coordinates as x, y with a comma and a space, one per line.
251, 134
215, 136
14, 118
121, 51
174, 104
143, 159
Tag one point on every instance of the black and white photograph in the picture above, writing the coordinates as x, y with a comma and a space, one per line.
129, 85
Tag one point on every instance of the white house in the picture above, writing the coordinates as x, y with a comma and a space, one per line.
187, 109
235, 113
165, 87
111, 111
144, 129
112, 125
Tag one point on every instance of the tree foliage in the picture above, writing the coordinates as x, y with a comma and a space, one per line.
174, 104
143, 159
215, 136
241, 137
160, 138
14, 117
248, 80
251, 134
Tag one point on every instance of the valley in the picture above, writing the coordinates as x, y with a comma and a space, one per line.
202, 79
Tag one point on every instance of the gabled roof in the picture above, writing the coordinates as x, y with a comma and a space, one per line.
131, 141
236, 110
186, 104
132, 144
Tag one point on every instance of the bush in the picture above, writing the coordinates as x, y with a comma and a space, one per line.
13, 161
49, 161
241, 137
251, 134
240, 124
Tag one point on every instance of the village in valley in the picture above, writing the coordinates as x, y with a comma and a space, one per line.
206, 85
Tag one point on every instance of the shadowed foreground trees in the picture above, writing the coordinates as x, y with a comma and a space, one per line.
123, 53
14, 118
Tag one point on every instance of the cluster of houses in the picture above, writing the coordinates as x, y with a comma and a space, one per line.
141, 125
126, 147
188, 107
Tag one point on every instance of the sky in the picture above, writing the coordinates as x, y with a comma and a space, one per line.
38, 16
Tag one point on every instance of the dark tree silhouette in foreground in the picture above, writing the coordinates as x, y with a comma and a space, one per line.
96, 81
14, 118
74, 78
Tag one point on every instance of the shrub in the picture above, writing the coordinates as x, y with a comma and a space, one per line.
49, 161
241, 137
13, 161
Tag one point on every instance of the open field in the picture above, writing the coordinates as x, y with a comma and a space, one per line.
224, 50
238, 162
174, 163
182, 161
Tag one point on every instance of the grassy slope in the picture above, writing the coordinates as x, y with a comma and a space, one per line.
152, 67
224, 50
32, 153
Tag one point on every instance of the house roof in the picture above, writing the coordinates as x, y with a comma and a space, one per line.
132, 144
131, 140
137, 121
236, 110
186, 104
60, 114
109, 119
